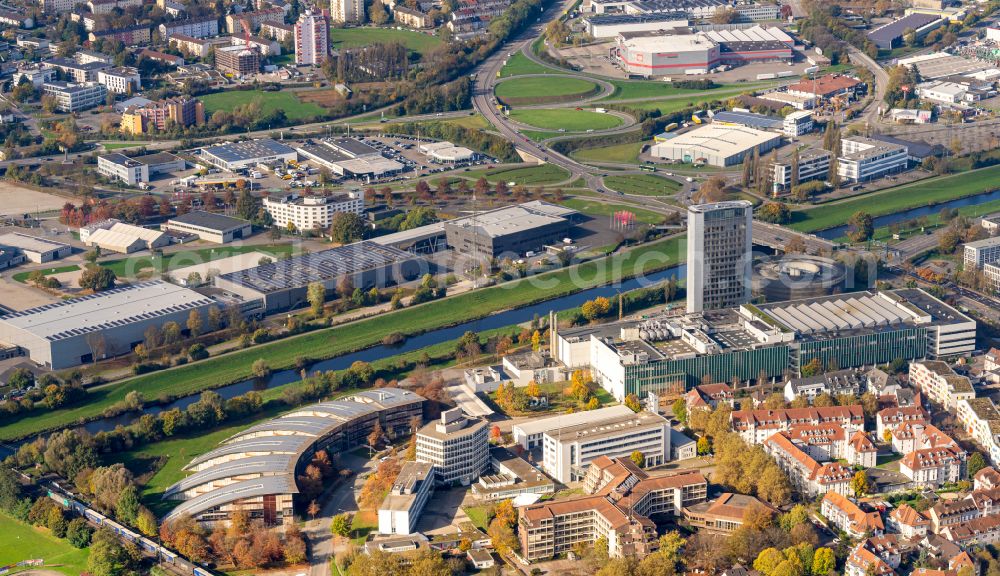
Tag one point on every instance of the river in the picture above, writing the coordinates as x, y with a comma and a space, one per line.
886, 220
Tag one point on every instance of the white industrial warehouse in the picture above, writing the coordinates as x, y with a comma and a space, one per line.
716, 144
106, 324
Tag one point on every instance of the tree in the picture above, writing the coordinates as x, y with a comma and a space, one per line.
679, 409
495, 434
375, 435
79, 533
194, 323
341, 525
127, 507
976, 463
533, 389
774, 212
316, 294
860, 227
638, 458
536, 341
704, 446
260, 368
633, 403
97, 279
812, 368
146, 522
377, 13
108, 557
824, 562
346, 227
860, 484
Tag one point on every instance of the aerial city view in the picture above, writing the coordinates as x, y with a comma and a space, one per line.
500, 287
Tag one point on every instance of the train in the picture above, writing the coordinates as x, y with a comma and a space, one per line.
161, 553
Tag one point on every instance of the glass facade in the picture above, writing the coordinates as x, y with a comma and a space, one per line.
865, 349
641, 379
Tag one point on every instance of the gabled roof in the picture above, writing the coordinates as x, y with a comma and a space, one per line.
908, 516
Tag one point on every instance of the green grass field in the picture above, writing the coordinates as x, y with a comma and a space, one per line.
626, 89
642, 184
294, 108
356, 37
23, 542
544, 87
922, 193
129, 267
627, 153
527, 175
602, 210
519, 65
565, 118
539, 135
327, 343
119, 145
22, 277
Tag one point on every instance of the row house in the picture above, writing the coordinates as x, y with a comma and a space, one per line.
977, 504
756, 426
979, 532
807, 475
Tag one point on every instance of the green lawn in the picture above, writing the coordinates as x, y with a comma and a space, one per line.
519, 65
626, 89
566, 118
119, 145
23, 542
327, 343
527, 175
642, 184
525, 89
478, 515
129, 267
539, 135
627, 153
600, 209
294, 108
22, 277
356, 37
923, 193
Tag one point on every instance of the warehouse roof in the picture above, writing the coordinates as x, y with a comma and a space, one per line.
668, 42
509, 220
247, 150
202, 219
119, 159
748, 119
893, 30
105, 310
352, 146
720, 139
613, 19
30, 243
328, 264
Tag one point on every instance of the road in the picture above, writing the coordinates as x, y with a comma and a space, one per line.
341, 499
870, 115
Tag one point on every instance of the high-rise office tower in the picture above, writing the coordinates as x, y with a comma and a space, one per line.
719, 255
347, 11
311, 37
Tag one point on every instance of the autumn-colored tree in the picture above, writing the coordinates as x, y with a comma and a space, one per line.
860, 484
533, 389
638, 458
495, 434
633, 403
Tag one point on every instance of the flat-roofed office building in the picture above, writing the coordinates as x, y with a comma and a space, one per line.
719, 255
456, 445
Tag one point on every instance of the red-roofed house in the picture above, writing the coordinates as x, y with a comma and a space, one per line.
986, 479
932, 467
863, 562
849, 517
806, 474
708, 396
892, 418
908, 522
756, 426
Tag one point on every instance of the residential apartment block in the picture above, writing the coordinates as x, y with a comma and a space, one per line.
311, 39
843, 513
832, 383
981, 252
620, 499
348, 11
807, 475
709, 396
203, 27
121, 79
181, 112
237, 61
981, 420
888, 419
905, 520
457, 446
940, 383
756, 426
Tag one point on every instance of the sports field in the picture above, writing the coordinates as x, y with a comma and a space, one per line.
355, 37
23, 542
627, 153
566, 118
924, 193
294, 108
544, 88
642, 184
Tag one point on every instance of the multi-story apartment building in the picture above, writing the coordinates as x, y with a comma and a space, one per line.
888, 419
238, 61
977, 504
411, 17
981, 420
203, 27
918, 435
76, 97
347, 11
718, 255
76, 71
130, 35
59, 6
825, 442
905, 520
940, 383
311, 39
756, 426
277, 30
932, 467
567, 451
312, 212
180, 111
863, 159
120, 80
197, 47
457, 446
620, 499
843, 513
862, 561
35, 74
807, 475
813, 165
107, 6
234, 22
832, 383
